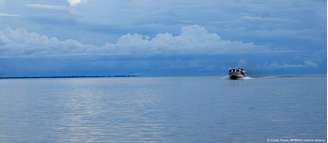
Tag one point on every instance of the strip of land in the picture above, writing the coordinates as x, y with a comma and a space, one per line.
20, 77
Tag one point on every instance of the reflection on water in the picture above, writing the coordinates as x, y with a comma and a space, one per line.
95, 115
182, 109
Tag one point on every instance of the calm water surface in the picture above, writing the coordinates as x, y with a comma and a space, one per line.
168, 110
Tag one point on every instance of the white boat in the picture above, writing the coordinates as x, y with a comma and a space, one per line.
237, 73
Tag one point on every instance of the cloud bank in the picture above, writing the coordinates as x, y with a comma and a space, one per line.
192, 39
49, 7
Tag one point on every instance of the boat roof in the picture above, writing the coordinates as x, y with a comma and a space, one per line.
238, 68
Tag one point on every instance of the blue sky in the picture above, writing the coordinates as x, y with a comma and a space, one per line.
162, 37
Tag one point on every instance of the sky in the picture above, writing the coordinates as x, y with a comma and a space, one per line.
162, 37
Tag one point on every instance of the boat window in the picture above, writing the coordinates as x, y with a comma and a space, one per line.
237, 70
230, 70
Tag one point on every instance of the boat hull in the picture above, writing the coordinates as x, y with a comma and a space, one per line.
235, 76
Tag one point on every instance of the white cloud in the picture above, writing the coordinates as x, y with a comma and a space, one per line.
19, 42
46, 6
76, 2
266, 19
191, 40
275, 65
8, 15
71, 4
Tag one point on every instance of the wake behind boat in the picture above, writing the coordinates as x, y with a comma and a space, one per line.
237, 73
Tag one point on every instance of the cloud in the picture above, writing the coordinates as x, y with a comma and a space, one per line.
19, 42
274, 22
71, 4
305, 64
265, 19
8, 15
49, 7
74, 2
192, 39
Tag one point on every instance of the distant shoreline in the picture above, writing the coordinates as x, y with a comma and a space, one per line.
27, 77
127, 76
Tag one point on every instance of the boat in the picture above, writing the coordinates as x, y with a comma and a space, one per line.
237, 73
